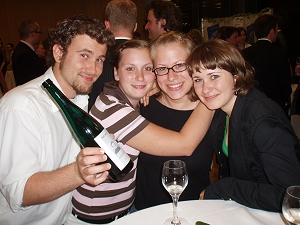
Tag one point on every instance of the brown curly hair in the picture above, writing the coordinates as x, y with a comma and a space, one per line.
78, 25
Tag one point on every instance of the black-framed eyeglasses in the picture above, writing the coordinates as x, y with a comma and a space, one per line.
37, 32
160, 71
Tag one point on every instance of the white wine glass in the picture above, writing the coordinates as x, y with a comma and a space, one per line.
175, 179
291, 205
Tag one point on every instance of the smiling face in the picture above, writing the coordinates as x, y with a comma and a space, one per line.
173, 85
134, 74
154, 27
215, 88
81, 66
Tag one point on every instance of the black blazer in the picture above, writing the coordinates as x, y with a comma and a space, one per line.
26, 64
107, 74
272, 70
263, 153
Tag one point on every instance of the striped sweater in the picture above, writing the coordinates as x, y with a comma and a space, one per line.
114, 112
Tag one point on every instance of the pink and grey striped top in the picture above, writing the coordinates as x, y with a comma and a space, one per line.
114, 111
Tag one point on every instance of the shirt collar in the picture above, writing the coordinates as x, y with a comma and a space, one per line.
126, 38
264, 39
79, 100
29, 45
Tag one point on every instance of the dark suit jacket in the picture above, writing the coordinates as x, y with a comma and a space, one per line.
272, 70
26, 64
263, 153
106, 76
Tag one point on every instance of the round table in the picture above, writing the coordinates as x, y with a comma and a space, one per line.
213, 212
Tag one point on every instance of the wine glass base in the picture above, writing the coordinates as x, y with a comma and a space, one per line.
181, 222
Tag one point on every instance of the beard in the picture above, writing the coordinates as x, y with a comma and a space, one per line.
79, 87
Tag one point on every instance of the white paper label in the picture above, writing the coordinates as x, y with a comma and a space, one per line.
112, 149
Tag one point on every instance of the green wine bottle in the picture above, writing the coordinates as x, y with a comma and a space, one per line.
90, 133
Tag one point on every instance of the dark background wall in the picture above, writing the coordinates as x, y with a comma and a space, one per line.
289, 10
48, 12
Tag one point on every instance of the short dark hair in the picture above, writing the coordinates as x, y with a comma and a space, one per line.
170, 12
217, 53
78, 25
122, 14
26, 27
227, 32
263, 24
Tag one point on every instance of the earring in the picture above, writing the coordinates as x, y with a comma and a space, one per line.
237, 92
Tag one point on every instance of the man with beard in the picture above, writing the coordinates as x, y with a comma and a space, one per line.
40, 161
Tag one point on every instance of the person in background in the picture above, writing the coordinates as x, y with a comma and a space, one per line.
2, 52
271, 64
242, 44
3, 85
231, 35
280, 40
120, 19
41, 52
26, 63
118, 110
218, 33
171, 108
46, 41
9, 51
256, 146
40, 160
196, 36
162, 16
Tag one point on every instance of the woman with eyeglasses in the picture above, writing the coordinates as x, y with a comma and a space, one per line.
117, 108
171, 108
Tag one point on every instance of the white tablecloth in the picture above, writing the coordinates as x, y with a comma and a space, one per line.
213, 212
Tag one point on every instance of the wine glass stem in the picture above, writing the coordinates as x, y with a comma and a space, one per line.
175, 215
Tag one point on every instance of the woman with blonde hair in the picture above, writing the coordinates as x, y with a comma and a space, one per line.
171, 108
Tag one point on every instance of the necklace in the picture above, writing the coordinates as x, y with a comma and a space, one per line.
189, 107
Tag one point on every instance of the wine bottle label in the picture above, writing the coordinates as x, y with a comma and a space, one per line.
112, 149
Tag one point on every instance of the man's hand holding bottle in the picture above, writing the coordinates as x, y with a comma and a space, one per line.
91, 167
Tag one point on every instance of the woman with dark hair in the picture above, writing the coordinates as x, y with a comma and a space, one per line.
242, 44
256, 146
230, 34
